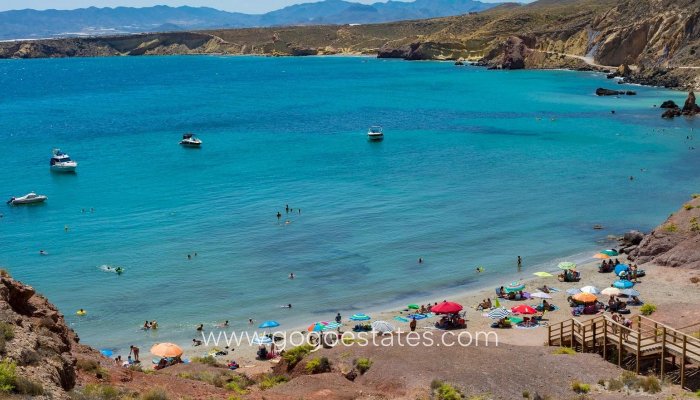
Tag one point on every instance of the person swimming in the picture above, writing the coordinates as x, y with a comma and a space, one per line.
200, 327
420, 260
43, 253
287, 306
291, 275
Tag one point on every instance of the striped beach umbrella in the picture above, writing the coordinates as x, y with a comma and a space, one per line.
360, 317
333, 325
262, 340
498, 313
382, 327
515, 287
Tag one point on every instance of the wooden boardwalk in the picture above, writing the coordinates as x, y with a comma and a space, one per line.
645, 340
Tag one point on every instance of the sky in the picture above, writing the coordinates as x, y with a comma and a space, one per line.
245, 6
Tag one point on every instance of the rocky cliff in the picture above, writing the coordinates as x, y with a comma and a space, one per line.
676, 242
658, 38
35, 344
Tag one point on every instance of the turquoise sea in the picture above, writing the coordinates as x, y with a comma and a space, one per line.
477, 168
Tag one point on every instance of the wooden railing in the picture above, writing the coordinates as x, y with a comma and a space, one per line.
644, 338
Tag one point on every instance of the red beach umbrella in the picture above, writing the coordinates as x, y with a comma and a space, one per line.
523, 309
447, 307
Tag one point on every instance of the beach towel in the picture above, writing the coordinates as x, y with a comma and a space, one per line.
401, 319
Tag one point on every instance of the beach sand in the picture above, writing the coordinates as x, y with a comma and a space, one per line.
670, 289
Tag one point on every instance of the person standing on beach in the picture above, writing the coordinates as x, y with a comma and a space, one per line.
135, 351
412, 325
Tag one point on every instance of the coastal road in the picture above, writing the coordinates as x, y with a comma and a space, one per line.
588, 60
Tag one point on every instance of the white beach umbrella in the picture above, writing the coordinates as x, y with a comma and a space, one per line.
573, 291
629, 292
611, 291
590, 289
540, 295
382, 327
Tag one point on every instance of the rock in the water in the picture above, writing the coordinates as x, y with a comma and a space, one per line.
669, 104
630, 93
607, 92
671, 113
690, 107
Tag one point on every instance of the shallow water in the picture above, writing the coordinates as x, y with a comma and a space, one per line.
477, 167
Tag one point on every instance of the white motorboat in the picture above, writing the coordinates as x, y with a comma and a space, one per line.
189, 140
375, 133
61, 162
31, 198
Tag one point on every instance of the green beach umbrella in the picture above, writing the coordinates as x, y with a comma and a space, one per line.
497, 304
567, 265
611, 253
413, 306
515, 287
543, 274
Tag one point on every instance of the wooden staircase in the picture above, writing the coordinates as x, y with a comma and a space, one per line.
645, 340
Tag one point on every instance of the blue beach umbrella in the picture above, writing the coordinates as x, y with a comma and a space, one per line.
262, 340
269, 324
106, 352
333, 325
621, 267
360, 317
623, 284
515, 287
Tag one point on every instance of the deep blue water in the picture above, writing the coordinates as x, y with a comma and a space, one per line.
477, 167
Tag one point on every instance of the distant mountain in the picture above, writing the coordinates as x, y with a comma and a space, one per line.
29, 24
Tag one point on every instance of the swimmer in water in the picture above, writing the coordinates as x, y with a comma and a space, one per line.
279, 215
420, 260
189, 256
200, 327
291, 275
42, 252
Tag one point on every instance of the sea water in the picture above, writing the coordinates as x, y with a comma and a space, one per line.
477, 167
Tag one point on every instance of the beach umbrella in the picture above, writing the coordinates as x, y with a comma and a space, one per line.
447, 307
620, 268
585, 298
333, 325
269, 324
523, 309
360, 317
106, 352
543, 274
601, 256
413, 306
382, 327
609, 252
590, 289
165, 350
567, 265
498, 313
623, 284
611, 291
629, 292
318, 327
262, 340
540, 295
515, 287
573, 291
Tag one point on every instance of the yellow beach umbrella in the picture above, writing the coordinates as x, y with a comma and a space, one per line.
166, 350
543, 274
601, 256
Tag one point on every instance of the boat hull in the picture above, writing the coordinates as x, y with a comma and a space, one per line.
375, 138
64, 168
36, 200
191, 145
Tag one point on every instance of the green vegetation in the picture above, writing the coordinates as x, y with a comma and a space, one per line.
97, 392
7, 333
155, 394
318, 365
8, 374
526, 394
688, 207
580, 388
445, 391
647, 309
694, 226
564, 350
363, 364
695, 195
695, 279
222, 379
271, 380
671, 228
28, 387
92, 367
293, 356
648, 384
207, 360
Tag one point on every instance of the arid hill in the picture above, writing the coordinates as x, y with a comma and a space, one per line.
658, 38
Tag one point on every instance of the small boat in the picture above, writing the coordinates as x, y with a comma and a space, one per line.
31, 198
375, 133
189, 140
61, 162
